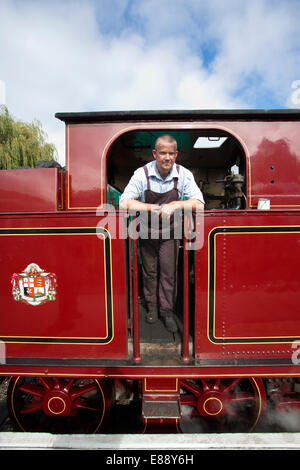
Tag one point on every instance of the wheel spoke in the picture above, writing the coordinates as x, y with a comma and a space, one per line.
81, 404
188, 400
32, 389
46, 382
217, 385
205, 385
32, 407
195, 389
241, 397
57, 383
79, 391
231, 385
69, 385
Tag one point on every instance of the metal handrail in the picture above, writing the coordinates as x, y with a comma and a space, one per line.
135, 294
185, 334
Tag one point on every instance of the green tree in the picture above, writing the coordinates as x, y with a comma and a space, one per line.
21, 143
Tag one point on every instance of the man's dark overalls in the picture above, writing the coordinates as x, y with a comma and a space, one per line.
159, 263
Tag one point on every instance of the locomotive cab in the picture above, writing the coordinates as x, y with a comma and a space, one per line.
217, 162
215, 158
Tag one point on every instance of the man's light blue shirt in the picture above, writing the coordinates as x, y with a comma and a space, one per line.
187, 187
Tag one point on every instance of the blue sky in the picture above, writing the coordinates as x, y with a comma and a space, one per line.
96, 55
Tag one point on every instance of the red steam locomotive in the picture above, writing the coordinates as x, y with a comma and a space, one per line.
73, 335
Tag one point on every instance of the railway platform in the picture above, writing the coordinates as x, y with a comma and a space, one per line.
159, 442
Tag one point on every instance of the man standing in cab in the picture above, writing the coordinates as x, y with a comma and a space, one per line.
160, 188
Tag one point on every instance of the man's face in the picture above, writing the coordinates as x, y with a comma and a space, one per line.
165, 155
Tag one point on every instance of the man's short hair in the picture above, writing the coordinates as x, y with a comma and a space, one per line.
166, 137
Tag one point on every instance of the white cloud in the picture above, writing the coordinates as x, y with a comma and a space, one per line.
71, 56
260, 40
253, 47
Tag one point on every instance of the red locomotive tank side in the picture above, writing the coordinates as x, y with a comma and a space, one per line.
31, 190
248, 287
58, 291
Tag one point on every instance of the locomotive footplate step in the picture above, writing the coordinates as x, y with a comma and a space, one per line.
159, 409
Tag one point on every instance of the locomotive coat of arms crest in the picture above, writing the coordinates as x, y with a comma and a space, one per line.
34, 286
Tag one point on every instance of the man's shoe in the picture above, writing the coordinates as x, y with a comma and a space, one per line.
170, 323
151, 315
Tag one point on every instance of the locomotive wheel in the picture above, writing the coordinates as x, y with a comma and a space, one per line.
58, 405
222, 405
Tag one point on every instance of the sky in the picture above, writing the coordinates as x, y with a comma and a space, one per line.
113, 55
